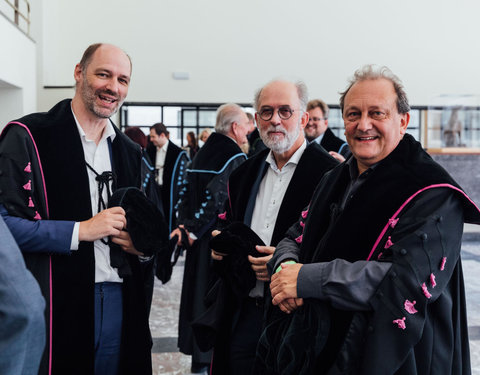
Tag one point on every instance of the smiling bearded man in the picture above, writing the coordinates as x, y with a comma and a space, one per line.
60, 169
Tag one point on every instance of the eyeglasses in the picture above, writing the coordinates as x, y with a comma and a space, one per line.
284, 112
317, 118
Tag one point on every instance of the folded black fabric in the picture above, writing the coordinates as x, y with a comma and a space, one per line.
291, 344
145, 224
237, 241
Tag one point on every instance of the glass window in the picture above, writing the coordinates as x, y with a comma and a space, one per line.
144, 115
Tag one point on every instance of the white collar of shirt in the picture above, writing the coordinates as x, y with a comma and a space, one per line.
294, 159
319, 138
164, 147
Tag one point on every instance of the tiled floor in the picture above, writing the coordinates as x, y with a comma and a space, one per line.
164, 315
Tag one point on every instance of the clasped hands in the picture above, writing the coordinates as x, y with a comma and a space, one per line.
110, 222
283, 288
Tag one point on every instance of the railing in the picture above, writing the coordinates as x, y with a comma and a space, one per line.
18, 11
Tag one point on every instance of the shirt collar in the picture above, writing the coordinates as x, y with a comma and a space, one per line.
319, 138
107, 132
294, 159
353, 169
165, 146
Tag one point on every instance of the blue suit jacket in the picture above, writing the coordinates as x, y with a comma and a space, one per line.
22, 324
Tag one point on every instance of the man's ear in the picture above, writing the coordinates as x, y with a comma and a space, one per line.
304, 120
404, 121
77, 73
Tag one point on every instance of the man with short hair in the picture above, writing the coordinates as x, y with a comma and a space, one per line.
317, 129
377, 253
254, 140
59, 169
170, 163
201, 200
267, 193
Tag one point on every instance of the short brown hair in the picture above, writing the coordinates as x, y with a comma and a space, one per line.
317, 103
160, 129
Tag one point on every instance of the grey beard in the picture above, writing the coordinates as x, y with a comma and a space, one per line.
279, 147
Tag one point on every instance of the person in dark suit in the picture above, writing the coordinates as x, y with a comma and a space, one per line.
317, 130
170, 163
267, 193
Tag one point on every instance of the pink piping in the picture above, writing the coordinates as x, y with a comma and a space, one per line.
48, 215
51, 321
408, 201
228, 194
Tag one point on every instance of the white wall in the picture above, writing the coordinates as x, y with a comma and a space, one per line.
18, 89
230, 48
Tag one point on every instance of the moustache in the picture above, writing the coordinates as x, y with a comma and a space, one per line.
275, 129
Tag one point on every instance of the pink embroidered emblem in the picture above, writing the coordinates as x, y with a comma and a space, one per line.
302, 224
304, 214
28, 185
409, 306
400, 323
425, 291
37, 216
442, 265
299, 239
30, 202
393, 222
433, 283
388, 243
223, 216
28, 168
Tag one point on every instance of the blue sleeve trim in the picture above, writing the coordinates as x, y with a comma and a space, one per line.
223, 168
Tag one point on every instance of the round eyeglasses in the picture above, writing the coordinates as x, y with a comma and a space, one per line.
284, 112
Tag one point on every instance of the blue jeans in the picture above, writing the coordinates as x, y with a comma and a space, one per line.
108, 327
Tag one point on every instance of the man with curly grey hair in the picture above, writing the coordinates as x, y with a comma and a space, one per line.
374, 260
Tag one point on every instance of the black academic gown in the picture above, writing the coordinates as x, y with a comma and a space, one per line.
201, 200
331, 142
401, 214
243, 188
60, 191
176, 161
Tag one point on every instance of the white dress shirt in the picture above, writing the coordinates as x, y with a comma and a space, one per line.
269, 199
98, 156
160, 162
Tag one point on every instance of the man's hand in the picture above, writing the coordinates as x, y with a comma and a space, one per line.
290, 304
177, 232
259, 265
284, 287
337, 156
215, 255
125, 242
106, 223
